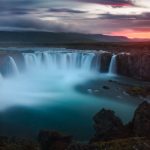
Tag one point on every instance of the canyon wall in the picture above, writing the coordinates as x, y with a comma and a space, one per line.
134, 65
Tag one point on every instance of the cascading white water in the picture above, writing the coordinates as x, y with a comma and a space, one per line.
46, 75
51, 61
60, 60
63, 61
13, 66
112, 66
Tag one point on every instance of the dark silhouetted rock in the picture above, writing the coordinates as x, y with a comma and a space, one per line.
105, 61
105, 87
136, 143
53, 140
141, 120
13, 143
83, 147
107, 125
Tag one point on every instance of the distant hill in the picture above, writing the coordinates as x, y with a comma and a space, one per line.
52, 37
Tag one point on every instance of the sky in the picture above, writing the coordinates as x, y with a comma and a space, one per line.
129, 18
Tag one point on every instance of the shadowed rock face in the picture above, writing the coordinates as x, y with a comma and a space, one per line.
53, 140
105, 62
134, 65
141, 120
107, 125
83, 147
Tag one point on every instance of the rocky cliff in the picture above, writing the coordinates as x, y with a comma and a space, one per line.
135, 65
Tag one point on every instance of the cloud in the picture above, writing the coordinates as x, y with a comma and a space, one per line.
143, 16
65, 10
115, 3
85, 16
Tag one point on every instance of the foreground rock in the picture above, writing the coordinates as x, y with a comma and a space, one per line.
107, 125
111, 134
125, 144
53, 140
17, 144
79, 146
141, 121
119, 144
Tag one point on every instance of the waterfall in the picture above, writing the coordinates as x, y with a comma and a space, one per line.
112, 66
13, 65
1, 78
51, 61
60, 60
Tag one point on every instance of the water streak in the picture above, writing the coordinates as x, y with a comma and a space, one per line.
112, 67
13, 66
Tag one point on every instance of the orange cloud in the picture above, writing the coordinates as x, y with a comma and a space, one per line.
133, 34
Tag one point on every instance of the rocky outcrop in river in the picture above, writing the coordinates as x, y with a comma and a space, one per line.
141, 121
107, 125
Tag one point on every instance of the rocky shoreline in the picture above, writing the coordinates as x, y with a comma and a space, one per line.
110, 134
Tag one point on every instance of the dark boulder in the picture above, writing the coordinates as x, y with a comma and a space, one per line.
141, 120
106, 87
107, 125
53, 140
80, 146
